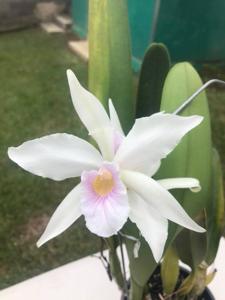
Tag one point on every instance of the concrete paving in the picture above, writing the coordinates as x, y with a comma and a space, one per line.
80, 48
86, 279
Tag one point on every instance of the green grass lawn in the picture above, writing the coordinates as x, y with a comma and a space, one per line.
35, 101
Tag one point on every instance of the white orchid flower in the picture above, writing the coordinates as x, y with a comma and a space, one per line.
116, 182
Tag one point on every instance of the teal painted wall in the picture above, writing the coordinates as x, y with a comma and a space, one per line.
80, 17
193, 30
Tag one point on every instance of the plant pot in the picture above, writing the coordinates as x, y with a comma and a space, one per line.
155, 285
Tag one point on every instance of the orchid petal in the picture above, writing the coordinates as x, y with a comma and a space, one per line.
151, 224
154, 194
151, 139
65, 215
114, 118
92, 114
57, 156
180, 183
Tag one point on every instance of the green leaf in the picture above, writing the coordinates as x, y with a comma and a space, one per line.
139, 269
192, 157
136, 292
110, 73
155, 67
191, 246
98, 65
170, 270
215, 210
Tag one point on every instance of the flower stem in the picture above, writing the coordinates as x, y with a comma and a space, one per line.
125, 288
193, 96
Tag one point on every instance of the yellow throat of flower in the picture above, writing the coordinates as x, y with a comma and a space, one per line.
103, 183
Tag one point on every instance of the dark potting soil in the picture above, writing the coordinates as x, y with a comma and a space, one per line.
156, 288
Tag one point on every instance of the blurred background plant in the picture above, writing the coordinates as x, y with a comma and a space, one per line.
33, 99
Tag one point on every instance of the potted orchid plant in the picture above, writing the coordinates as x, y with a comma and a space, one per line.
150, 180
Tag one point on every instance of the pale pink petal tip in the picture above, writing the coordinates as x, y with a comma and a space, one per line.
118, 138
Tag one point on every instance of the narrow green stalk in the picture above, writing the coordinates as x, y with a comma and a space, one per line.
125, 286
187, 102
115, 262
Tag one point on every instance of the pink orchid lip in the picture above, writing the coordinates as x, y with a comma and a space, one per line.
104, 201
102, 183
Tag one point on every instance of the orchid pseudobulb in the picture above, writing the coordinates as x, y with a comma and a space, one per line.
116, 180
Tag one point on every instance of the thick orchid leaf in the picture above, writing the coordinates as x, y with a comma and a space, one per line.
155, 67
98, 64
170, 270
192, 157
136, 291
110, 73
139, 269
194, 251
196, 244
215, 210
